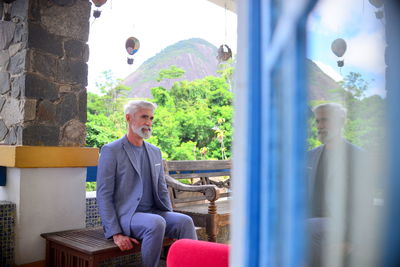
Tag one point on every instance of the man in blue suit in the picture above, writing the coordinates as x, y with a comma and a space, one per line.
335, 159
132, 193
335, 169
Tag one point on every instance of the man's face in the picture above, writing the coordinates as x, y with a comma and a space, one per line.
140, 123
329, 125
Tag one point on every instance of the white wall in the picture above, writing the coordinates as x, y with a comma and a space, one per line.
47, 200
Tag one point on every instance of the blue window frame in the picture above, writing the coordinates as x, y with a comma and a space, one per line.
269, 152
274, 130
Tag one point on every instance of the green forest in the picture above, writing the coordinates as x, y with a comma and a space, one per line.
193, 119
365, 115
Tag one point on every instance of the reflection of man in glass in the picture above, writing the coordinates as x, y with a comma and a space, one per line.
326, 160
332, 169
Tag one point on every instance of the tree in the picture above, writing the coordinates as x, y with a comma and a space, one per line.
187, 116
114, 93
365, 115
355, 84
105, 115
226, 69
172, 73
193, 120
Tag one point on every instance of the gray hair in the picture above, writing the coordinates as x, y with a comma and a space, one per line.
335, 109
134, 105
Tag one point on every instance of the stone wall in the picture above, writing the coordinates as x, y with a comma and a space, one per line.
43, 73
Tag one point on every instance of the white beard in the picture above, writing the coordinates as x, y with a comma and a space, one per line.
144, 135
327, 136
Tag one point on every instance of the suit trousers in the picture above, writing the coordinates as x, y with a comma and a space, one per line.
151, 228
317, 230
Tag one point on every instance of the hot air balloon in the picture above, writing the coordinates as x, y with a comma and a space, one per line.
98, 3
338, 47
224, 53
132, 45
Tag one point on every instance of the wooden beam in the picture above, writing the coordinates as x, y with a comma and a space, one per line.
47, 156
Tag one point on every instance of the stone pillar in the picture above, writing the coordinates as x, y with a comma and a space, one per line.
43, 73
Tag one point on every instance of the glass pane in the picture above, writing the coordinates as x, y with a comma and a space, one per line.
347, 136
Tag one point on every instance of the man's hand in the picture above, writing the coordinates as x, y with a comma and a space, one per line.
124, 242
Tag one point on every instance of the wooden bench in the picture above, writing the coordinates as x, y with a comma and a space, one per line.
83, 248
209, 208
207, 199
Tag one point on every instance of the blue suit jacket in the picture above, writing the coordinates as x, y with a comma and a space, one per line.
120, 188
355, 159
356, 171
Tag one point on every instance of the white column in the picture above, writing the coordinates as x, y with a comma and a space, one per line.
47, 200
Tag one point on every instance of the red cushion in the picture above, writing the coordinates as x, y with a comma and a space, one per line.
194, 253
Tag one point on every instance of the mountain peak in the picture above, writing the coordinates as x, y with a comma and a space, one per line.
196, 56
320, 85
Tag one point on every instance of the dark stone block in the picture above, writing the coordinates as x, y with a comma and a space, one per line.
34, 11
3, 130
11, 138
7, 29
70, 22
46, 112
41, 39
67, 109
75, 89
75, 49
29, 109
44, 64
17, 86
4, 82
2, 101
17, 62
86, 54
40, 135
82, 106
72, 71
73, 134
19, 9
39, 88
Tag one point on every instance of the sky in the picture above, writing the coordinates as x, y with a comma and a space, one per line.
156, 24
160, 23
355, 22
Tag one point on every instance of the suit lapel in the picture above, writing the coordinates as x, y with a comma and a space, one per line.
315, 162
152, 171
129, 151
